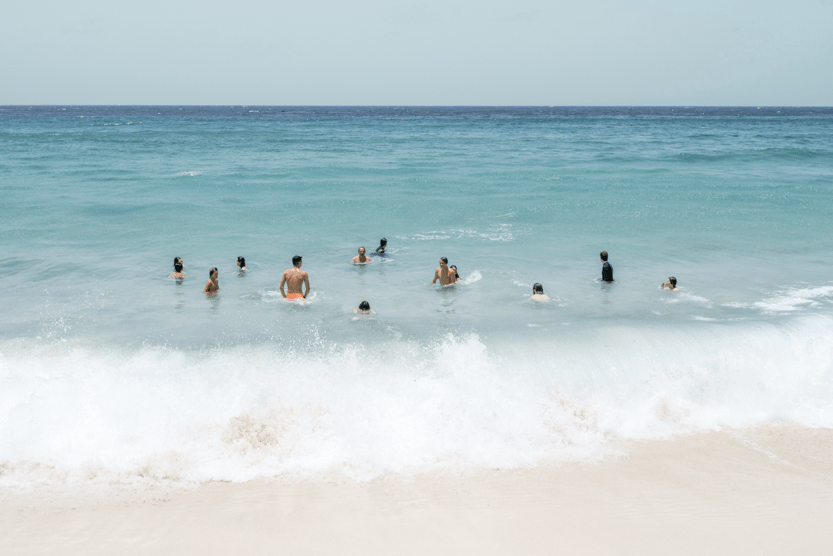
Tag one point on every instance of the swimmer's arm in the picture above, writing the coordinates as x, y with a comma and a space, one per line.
372, 311
306, 283
206, 288
283, 281
436, 276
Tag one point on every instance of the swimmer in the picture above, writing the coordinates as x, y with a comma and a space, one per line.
364, 309
212, 286
607, 270
381, 249
177, 273
361, 259
443, 274
241, 262
454, 270
538, 293
671, 284
294, 278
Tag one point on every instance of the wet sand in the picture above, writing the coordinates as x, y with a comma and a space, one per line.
767, 490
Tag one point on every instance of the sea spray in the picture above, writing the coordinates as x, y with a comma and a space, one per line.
351, 413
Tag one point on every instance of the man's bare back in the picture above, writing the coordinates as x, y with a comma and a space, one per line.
294, 278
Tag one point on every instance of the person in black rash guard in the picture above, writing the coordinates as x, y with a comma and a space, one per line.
607, 270
381, 249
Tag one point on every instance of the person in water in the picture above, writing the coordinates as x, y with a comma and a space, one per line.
671, 284
454, 270
212, 285
443, 273
241, 262
381, 249
294, 278
538, 293
361, 259
607, 270
177, 273
364, 309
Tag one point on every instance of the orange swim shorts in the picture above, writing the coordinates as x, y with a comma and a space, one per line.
294, 296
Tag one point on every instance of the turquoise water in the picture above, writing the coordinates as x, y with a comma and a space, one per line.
107, 362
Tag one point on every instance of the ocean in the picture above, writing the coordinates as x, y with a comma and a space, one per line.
112, 373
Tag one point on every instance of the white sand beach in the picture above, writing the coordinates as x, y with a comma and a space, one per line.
767, 490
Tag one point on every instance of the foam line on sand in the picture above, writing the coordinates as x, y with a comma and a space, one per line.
767, 490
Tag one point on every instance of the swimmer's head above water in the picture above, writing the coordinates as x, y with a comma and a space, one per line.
362, 250
672, 281
443, 261
383, 242
603, 255
177, 267
364, 308
241, 262
296, 260
537, 288
213, 272
177, 260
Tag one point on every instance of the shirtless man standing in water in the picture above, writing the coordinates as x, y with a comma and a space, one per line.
361, 259
293, 278
443, 274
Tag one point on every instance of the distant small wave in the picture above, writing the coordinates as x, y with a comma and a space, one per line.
771, 153
190, 173
500, 232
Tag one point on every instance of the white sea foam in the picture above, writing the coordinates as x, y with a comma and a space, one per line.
796, 298
475, 276
191, 173
74, 416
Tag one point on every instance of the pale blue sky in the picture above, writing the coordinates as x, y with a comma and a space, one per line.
450, 52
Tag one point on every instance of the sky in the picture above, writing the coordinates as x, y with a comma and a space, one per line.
390, 52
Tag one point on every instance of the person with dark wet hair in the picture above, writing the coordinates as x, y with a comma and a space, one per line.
177, 273
671, 284
212, 285
364, 309
453, 269
361, 258
443, 273
241, 262
294, 279
607, 270
381, 249
538, 293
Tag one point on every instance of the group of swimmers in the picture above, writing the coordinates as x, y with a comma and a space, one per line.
297, 285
